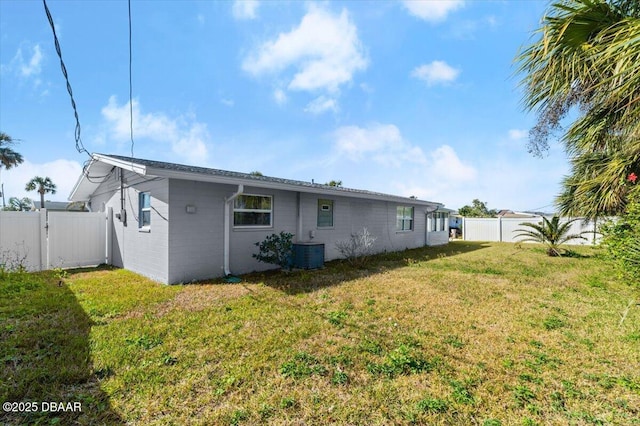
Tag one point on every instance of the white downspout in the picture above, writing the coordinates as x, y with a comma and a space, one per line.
227, 227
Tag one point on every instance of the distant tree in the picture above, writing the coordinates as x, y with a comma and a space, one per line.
8, 157
43, 185
334, 183
581, 78
552, 233
256, 173
20, 205
477, 209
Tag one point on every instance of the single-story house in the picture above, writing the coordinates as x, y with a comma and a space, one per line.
176, 223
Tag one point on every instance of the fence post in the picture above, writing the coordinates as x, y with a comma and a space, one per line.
499, 222
44, 240
464, 228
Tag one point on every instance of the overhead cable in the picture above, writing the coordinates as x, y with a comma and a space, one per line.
79, 146
130, 83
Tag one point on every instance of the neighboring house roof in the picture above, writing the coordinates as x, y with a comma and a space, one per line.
101, 166
511, 214
56, 206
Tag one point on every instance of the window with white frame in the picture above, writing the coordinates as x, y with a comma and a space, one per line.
325, 213
444, 217
404, 218
433, 222
144, 209
253, 211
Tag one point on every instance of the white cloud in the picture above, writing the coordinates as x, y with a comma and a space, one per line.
432, 10
227, 102
187, 137
280, 96
29, 67
245, 9
381, 143
323, 50
518, 134
444, 162
437, 72
64, 173
322, 104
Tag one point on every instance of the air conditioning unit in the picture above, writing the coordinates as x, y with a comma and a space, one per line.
308, 255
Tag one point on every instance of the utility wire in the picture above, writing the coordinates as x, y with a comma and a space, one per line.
79, 146
130, 83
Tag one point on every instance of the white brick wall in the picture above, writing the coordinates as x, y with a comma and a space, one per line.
143, 252
190, 245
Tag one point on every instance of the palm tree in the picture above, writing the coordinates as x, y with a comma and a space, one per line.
552, 233
585, 60
43, 186
20, 205
8, 157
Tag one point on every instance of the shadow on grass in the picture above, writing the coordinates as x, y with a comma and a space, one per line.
45, 356
336, 272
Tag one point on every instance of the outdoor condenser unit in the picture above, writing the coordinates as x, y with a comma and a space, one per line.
308, 255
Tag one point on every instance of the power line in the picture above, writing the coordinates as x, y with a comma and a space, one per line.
79, 146
130, 83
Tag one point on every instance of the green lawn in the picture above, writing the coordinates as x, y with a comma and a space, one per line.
470, 333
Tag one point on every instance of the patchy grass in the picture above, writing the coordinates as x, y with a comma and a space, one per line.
470, 333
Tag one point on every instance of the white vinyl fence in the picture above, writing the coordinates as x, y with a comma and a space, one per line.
505, 229
43, 240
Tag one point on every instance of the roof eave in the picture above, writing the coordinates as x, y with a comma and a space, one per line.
256, 183
143, 170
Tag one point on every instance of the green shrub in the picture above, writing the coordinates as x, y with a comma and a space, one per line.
621, 239
276, 249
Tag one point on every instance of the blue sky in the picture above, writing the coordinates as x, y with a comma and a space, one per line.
408, 98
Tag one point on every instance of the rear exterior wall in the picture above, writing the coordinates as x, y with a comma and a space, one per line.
196, 237
142, 251
351, 215
185, 241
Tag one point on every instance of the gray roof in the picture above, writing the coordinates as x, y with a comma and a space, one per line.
182, 171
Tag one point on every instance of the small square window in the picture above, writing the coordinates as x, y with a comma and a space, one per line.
325, 213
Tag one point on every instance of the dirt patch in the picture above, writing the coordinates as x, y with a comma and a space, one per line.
198, 297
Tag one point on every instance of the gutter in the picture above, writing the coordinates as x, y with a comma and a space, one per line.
227, 224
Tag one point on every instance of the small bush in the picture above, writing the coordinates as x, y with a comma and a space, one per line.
276, 249
622, 239
13, 261
357, 248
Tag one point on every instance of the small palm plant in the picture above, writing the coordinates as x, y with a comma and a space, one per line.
552, 233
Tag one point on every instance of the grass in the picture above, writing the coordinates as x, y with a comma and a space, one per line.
470, 333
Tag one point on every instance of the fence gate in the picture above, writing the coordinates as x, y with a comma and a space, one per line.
76, 239
44, 240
